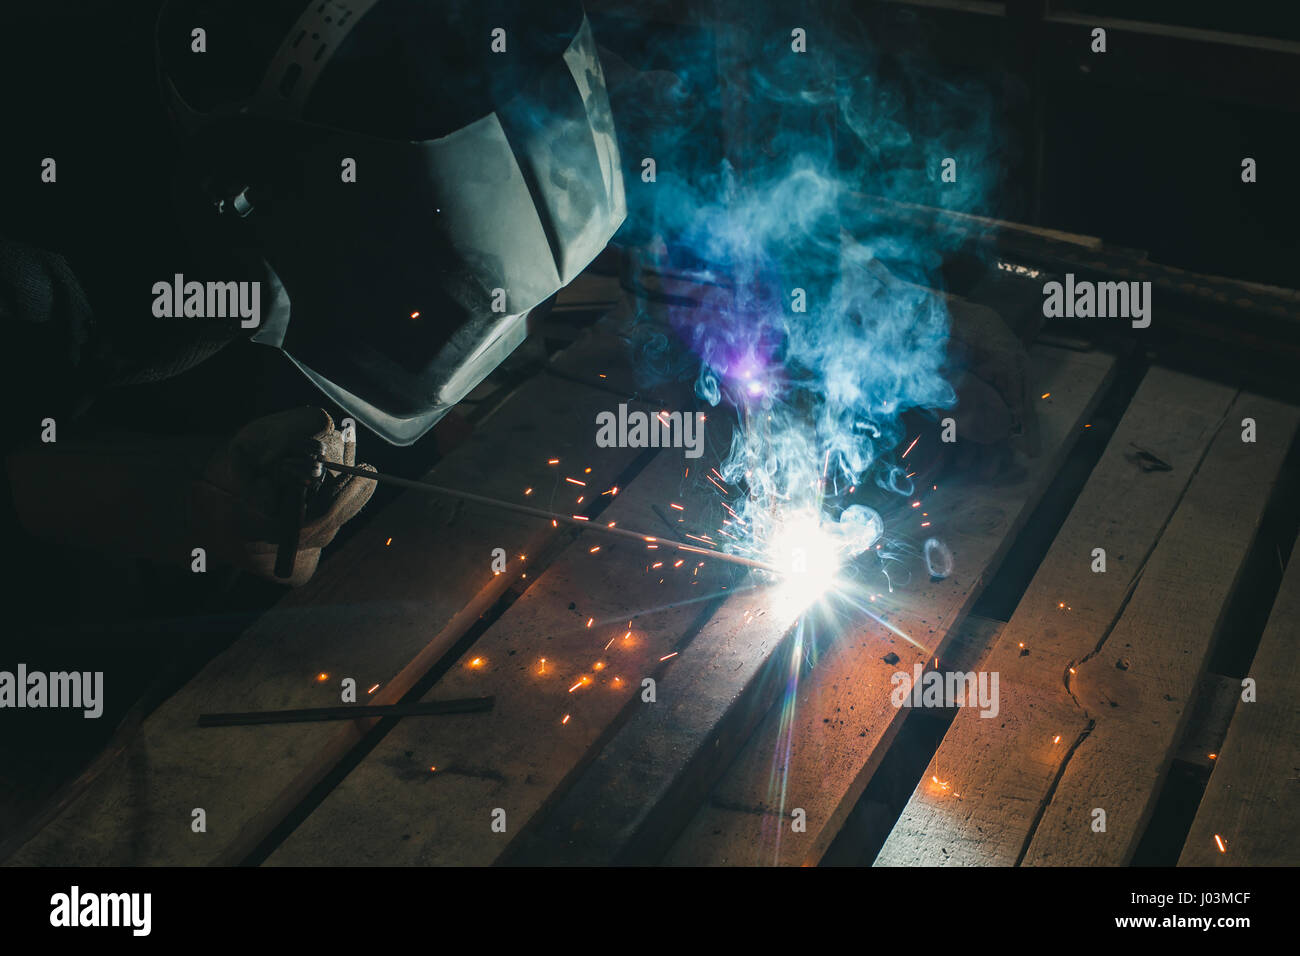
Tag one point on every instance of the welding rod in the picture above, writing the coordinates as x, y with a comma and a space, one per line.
574, 520
466, 705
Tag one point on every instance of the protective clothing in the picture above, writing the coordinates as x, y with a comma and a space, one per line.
235, 504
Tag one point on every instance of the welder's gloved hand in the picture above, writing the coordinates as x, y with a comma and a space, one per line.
239, 501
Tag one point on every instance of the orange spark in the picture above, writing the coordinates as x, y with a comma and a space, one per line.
666, 656
1219, 840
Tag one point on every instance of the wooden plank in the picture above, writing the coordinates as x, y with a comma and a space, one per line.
818, 751
563, 672
383, 610
647, 782
1136, 637
1252, 801
1133, 692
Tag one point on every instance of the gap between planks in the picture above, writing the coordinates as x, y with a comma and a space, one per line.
1252, 801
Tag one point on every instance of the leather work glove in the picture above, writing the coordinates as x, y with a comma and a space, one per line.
240, 498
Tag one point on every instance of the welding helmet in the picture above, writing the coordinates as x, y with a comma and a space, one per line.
414, 177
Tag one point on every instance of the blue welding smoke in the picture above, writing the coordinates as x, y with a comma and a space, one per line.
818, 323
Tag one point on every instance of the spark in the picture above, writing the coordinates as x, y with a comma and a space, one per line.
673, 504
388, 542
1219, 840
476, 662
575, 481
590, 621
565, 720
911, 446
666, 656
322, 677
1047, 394
553, 461
415, 315
594, 550
373, 689
528, 491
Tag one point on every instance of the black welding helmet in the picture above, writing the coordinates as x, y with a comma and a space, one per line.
415, 177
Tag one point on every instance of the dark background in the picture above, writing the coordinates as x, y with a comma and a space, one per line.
1140, 146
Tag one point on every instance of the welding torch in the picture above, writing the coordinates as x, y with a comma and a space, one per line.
294, 508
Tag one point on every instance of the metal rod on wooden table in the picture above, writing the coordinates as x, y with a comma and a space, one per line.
575, 520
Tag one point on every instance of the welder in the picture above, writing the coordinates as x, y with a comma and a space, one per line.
399, 184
